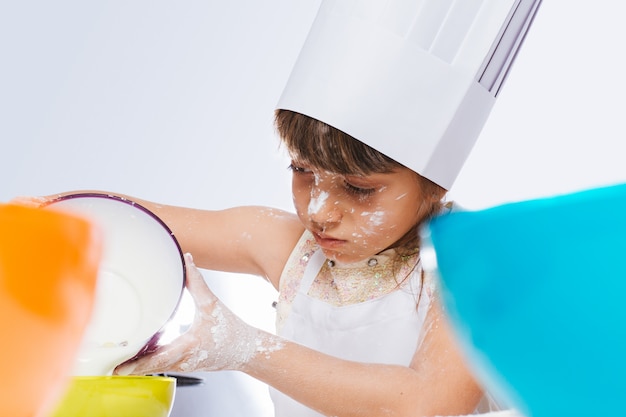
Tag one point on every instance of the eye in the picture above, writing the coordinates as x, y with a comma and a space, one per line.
359, 191
298, 169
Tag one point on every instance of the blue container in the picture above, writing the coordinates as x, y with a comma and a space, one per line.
537, 292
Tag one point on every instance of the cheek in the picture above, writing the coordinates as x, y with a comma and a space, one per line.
300, 197
371, 223
373, 230
383, 227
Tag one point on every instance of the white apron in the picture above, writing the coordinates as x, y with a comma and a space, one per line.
383, 330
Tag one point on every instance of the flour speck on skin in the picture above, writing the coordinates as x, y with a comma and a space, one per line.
316, 203
268, 344
376, 218
235, 343
270, 212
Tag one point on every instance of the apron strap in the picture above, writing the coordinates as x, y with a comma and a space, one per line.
312, 269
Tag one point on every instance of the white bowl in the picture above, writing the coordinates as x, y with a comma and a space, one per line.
140, 282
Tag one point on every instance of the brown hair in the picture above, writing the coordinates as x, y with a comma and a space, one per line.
325, 147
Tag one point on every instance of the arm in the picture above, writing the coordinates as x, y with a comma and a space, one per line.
250, 240
436, 383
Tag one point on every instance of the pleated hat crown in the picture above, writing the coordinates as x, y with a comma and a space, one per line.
415, 80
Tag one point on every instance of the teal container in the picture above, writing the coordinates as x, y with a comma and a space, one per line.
537, 293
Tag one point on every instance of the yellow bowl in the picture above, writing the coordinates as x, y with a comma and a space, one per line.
114, 396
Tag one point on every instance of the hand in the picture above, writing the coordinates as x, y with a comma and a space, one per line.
217, 339
28, 201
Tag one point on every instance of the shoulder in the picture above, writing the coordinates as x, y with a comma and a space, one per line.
272, 235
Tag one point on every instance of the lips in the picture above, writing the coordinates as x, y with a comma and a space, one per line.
327, 242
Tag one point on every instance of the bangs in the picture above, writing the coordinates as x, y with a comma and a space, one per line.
322, 146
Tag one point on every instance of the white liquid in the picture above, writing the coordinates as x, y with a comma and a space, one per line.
114, 328
114, 324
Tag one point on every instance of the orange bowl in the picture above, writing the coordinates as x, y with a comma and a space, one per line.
48, 270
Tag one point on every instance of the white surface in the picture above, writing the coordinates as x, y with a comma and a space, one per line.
173, 102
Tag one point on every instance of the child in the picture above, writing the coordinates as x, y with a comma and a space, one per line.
369, 335
377, 126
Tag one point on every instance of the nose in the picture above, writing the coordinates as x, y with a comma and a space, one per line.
323, 211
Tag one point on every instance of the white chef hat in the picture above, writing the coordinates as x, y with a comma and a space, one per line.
414, 79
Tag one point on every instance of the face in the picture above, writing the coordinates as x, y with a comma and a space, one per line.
355, 217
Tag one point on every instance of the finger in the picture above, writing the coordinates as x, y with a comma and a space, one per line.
196, 285
166, 359
34, 202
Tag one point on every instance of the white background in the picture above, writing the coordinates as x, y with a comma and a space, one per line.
173, 101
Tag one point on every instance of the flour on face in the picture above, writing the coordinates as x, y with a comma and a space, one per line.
317, 202
376, 218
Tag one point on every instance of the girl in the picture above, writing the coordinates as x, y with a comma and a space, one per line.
361, 331
360, 327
